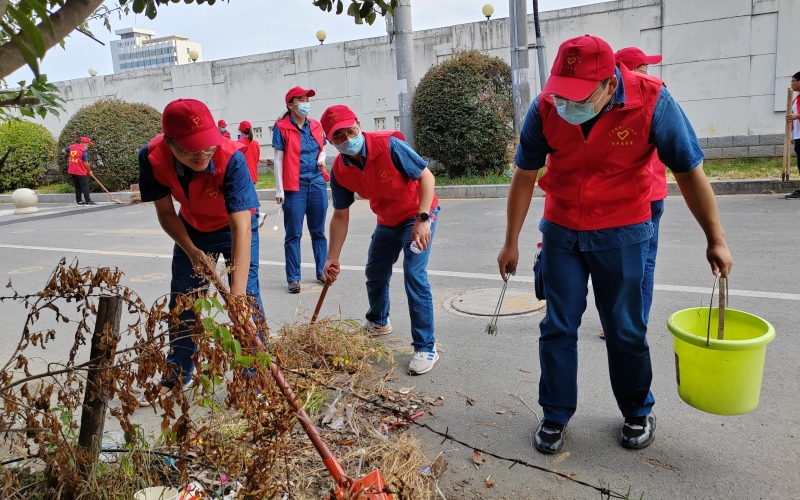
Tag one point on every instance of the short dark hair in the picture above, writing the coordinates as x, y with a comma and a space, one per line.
796, 76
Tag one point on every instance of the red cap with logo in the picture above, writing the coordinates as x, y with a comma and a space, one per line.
222, 123
632, 58
582, 62
337, 117
86, 140
245, 125
189, 123
298, 92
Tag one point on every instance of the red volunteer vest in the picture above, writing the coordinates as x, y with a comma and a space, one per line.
604, 181
392, 196
252, 154
76, 163
291, 150
205, 209
659, 173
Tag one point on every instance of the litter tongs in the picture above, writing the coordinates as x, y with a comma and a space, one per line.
491, 328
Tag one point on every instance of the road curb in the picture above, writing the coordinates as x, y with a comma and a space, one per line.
745, 186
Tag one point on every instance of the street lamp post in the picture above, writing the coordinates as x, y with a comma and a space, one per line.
520, 86
488, 10
92, 71
194, 55
321, 36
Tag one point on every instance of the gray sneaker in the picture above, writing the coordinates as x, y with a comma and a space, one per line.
375, 330
422, 362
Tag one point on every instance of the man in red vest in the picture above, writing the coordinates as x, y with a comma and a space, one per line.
208, 175
78, 168
382, 168
223, 129
600, 125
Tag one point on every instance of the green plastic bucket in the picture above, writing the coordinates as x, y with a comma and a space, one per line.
723, 377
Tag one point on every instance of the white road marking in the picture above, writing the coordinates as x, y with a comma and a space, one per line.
449, 274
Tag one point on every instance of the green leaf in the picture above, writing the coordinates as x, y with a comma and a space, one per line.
41, 11
245, 360
139, 5
370, 18
216, 303
27, 53
217, 334
28, 29
263, 359
209, 324
198, 304
237, 348
339, 7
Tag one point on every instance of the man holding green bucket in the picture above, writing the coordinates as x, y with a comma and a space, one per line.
600, 125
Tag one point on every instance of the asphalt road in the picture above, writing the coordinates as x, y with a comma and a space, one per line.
696, 455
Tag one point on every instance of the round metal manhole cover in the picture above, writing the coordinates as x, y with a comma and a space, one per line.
483, 302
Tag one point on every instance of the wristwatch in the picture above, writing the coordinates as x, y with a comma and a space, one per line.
423, 216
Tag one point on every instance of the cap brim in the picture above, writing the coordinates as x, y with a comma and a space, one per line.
574, 89
655, 59
341, 125
200, 141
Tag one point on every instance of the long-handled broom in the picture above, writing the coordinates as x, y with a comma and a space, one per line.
115, 200
368, 487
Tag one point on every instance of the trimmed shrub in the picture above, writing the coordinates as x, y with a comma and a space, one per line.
118, 129
463, 114
34, 152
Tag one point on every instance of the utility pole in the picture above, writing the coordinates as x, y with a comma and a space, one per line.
541, 57
404, 58
521, 87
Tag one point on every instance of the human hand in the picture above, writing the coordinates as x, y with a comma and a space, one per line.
792, 117
421, 234
321, 165
720, 259
331, 269
507, 261
201, 262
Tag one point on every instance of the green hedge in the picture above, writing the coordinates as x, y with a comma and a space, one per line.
34, 152
119, 129
463, 114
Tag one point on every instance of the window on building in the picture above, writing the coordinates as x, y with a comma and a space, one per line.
187, 50
397, 123
271, 129
256, 132
380, 123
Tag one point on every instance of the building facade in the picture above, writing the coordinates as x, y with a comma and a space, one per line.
137, 50
728, 63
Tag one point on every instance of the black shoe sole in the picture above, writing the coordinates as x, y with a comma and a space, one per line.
548, 451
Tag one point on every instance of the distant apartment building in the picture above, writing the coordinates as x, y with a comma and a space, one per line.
137, 49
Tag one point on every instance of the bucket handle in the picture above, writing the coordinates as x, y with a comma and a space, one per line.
723, 303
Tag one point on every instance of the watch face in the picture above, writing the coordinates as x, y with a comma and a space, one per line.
423, 216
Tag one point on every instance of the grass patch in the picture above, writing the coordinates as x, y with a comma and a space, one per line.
754, 168
57, 188
266, 181
472, 180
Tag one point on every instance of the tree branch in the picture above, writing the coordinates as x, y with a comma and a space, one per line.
19, 101
65, 20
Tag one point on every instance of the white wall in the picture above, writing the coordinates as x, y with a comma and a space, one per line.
726, 61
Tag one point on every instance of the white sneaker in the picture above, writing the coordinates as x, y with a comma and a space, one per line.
422, 362
262, 217
374, 329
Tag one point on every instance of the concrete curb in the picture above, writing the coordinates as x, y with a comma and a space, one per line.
746, 186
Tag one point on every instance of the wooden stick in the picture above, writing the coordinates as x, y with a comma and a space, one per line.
723, 286
787, 138
106, 190
321, 299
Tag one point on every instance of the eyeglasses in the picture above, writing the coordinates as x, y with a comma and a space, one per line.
194, 154
560, 101
342, 135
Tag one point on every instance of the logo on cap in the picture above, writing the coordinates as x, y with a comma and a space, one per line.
571, 61
333, 115
198, 122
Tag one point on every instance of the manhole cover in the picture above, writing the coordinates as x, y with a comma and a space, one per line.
483, 302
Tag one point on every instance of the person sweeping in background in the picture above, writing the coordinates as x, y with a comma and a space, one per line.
794, 118
78, 168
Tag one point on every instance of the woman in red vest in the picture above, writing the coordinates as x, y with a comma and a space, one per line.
78, 168
207, 174
252, 151
600, 125
300, 183
382, 168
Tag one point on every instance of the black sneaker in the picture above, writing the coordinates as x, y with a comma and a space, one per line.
321, 279
793, 196
549, 437
91, 203
80, 203
638, 432
294, 287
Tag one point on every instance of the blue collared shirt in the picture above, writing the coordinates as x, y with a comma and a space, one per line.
404, 159
237, 187
309, 149
670, 132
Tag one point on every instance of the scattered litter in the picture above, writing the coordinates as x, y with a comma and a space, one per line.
501, 412
523, 371
489, 482
477, 458
470, 401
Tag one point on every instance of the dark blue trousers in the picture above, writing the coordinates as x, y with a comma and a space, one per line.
309, 202
657, 210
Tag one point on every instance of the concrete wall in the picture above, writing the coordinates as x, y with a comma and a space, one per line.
728, 62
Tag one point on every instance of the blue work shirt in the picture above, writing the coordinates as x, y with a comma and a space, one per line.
85, 154
671, 133
237, 187
309, 149
404, 159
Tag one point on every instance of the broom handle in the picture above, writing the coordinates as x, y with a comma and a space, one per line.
104, 188
321, 299
723, 299
787, 138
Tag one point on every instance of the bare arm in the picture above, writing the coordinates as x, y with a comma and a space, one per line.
338, 233
700, 199
241, 235
421, 233
519, 200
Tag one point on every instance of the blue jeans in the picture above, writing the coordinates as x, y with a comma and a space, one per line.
387, 243
184, 280
617, 276
310, 201
657, 210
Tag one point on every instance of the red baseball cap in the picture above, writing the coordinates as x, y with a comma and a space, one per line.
245, 125
337, 117
582, 62
189, 123
86, 140
632, 57
222, 123
298, 92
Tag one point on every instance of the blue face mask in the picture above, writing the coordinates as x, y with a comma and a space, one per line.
352, 146
303, 109
574, 113
223, 129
